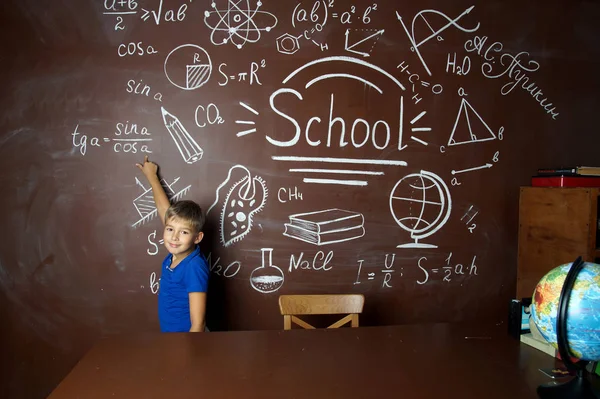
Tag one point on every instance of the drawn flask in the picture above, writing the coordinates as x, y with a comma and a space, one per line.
187, 146
268, 277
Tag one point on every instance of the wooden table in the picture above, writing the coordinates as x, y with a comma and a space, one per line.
412, 361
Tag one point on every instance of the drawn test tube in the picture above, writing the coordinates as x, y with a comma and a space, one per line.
187, 146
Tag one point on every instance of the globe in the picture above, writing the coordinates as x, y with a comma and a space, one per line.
583, 311
420, 203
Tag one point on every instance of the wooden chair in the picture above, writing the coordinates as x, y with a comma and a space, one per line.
292, 305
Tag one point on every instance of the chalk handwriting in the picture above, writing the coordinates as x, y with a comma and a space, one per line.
208, 115
136, 87
463, 69
169, 15
135, 48
448, 271
515, 68
154, 283
250, 75
347, 17
228, 271
376, 134
320, 261
120, 142
387, 270
301, 15
468, 217
153, 250
416, 83
289, 194
420, 16
125, 7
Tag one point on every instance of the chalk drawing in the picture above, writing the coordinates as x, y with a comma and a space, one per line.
326, 227
473, 128
373, 37
188, 67
420, 203
244, 122
434, 33
245, 198
351, 60
188, 148
144, 204
238, 24
267, 278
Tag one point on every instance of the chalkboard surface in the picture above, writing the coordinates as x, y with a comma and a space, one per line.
370, 147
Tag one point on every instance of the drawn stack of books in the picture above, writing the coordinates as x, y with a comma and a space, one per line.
325, 227
576, 176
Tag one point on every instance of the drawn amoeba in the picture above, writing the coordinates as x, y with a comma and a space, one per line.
238, 24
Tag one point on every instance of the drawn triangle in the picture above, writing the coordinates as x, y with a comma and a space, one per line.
479, 128
476, 129
460, 131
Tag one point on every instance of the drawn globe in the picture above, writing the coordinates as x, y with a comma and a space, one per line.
583, 310
420, 203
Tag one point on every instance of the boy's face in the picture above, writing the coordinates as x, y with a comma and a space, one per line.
180, 239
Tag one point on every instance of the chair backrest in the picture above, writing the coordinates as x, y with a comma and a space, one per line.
292, 305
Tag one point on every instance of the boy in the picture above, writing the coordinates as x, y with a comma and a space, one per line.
184, 272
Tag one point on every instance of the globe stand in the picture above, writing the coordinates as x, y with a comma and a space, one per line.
578, 387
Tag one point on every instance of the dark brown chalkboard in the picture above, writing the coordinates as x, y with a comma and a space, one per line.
447, 108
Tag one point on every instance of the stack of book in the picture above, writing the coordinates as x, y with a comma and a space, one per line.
539, 344
576, 176
325, 227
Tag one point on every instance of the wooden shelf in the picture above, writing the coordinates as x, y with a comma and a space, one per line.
556, 225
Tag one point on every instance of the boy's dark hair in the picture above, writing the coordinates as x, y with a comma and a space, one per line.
188, 211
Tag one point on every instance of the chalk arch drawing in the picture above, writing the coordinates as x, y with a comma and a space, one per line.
429, 206
340, 60
238, 24
188, 67
476, 130
245, 198
450, 22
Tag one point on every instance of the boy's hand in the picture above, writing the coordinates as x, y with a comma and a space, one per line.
149, 169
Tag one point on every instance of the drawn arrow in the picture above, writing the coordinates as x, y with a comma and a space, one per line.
140, 184
486, 166
349, 48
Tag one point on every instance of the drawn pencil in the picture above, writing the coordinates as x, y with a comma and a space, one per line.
187, 146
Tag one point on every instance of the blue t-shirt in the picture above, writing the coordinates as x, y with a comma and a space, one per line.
190, 275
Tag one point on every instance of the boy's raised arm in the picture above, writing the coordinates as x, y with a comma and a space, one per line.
161, 200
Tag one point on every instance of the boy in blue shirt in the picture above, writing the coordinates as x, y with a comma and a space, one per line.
184, 272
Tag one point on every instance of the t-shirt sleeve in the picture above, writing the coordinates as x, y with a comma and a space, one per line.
196, 276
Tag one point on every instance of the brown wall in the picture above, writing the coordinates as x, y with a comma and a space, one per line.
76, 258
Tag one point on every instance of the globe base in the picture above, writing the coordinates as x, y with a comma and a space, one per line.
577, 388
416, 245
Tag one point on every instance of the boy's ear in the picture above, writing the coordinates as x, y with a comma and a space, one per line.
199, 238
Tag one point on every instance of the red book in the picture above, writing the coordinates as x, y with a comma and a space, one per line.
565, 181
